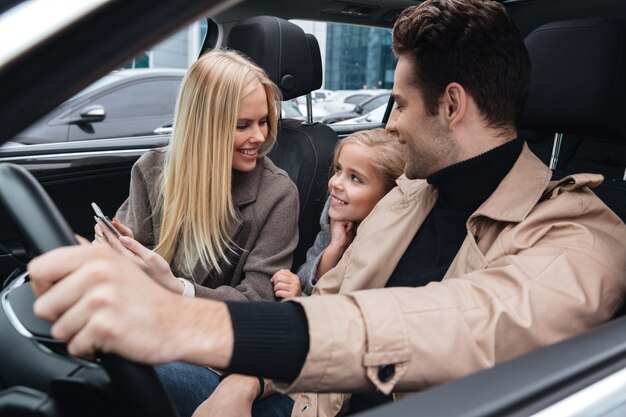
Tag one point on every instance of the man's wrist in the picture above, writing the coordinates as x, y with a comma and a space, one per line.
211, 340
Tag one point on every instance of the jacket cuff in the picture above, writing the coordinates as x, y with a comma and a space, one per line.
270, 339
331, 363
347, 354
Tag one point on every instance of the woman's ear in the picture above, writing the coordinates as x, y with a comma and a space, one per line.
453, 105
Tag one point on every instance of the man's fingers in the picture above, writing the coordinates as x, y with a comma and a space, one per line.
86, 324
64, 294
82, 328
72, 320
82, 346
47, 269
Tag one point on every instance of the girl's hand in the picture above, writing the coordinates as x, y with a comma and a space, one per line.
286, 284
151, 262
233, 397
341, 234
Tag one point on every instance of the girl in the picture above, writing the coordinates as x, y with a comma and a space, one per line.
367, 163
214, 209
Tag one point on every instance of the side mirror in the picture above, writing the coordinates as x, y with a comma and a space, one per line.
90, 114
358, 109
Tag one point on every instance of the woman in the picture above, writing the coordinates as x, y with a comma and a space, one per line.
221, 217
211, 205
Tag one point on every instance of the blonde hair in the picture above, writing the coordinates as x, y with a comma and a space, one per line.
195, 186
388, 158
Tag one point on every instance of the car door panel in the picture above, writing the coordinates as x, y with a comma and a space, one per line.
74, 175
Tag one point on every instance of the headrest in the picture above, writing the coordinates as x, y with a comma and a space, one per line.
290, 57
578, 78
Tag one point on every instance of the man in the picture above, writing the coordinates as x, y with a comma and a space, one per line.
513, 261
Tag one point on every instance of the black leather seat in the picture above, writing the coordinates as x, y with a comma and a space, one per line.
292, 60
577, 89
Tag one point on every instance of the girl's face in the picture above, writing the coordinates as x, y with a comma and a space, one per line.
251, 129
356, 186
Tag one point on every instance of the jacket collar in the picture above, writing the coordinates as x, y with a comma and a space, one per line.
410, 187
246, 185
519, 191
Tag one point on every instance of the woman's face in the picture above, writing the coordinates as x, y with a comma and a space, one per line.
356, 186
251, 129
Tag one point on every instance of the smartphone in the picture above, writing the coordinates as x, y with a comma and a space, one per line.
105, 219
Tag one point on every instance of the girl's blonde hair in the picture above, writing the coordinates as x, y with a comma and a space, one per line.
387, 158
195, 186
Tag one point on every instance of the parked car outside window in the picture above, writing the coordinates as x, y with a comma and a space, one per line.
360, 109
375, 116
126, 103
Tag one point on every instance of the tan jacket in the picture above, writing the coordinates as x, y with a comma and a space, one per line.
541, 262
266, 231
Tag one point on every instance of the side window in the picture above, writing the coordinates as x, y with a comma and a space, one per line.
131, 101
140, 99
374, 103
134, 109
357, 64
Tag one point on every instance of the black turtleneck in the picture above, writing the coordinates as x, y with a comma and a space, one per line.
271, 339
461, 189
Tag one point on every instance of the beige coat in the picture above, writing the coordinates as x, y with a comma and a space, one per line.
542, 261
266, 231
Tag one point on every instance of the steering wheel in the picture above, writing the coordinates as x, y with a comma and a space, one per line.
42, 228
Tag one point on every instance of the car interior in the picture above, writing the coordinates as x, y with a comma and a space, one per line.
303, 150
573, 121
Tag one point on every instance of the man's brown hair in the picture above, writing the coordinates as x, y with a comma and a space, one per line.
472, 42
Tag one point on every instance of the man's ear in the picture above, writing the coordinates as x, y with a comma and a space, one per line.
453, 105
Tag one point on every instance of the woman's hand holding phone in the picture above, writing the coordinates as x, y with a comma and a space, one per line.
123, 230
151, 262
117, 228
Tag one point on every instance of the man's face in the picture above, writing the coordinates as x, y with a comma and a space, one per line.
428, 146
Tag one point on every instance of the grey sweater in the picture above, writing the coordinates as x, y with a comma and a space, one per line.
307, 271
266, 231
